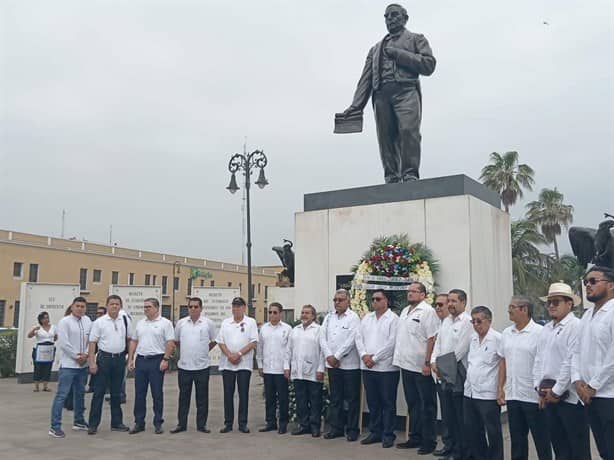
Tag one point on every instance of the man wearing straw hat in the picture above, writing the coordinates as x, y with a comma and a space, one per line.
592, 369
566, 417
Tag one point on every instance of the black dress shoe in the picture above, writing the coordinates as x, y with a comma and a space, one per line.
371, 439
243, 429
136, 429
158, 429
301, 431
203, 429
121, 427
387, 443
443, 452
283, 429
267, 428
92, 430
351, 437
411, 444
333, 435
426, 450
315, 434
177, 429
226, 429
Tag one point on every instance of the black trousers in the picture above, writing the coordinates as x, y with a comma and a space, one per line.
381, 391
308, 404
601, 419
452, 414
568, 430
147, 373
344, 388
109, 375
276, 392
200, 380
524, 416
446, 437
420, 397
240, 380
482, 420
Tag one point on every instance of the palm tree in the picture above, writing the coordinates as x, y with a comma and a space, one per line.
529, 265
504, 175
551, 214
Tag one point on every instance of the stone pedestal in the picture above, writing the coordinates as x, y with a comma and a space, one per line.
459, 219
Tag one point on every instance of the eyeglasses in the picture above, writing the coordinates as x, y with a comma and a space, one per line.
592, 281
376, 299
478, 321
273, 312
193, 307
555, 302
439, 304
337, 299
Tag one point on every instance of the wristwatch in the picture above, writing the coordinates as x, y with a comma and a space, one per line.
165, 358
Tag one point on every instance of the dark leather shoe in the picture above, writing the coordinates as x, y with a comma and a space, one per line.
121, 427
333, 435
315, 434
136, 429
301, 431
443, 452
371, 439
283, 429
267, 428
92, 430
158, 429
243, 429
411, 444
226, 429
177, 429
203, 429
386, 444
426, 450
351, 437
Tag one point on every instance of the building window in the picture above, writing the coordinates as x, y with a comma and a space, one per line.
240, 288
166, 311
114, 277
266, 292
17, 270
212, 283
202, 283
164, 283
90, 310
153, 280
33, 273
16, 313
189, 286
183, 311
83, 279
229, 283
176, 283
131, 279
97, 276
147, 280
251, 294
258, 288
2, 305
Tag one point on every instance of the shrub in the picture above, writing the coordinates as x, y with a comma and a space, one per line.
8, 352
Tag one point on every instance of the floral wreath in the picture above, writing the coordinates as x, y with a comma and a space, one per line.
392, 263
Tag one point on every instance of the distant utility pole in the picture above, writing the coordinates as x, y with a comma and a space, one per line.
63, 222
110, 235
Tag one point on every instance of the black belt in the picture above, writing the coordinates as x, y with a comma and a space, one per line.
161, 355
111, 355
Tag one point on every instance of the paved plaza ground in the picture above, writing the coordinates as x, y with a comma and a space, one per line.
25, 421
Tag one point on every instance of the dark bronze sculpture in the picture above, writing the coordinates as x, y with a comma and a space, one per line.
391, 78
594, 246
286, 256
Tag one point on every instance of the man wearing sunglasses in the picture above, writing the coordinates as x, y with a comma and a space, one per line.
418, 326
592, 369
337, 340
237, 340
195, 337
270, 354
518, 351
567, 419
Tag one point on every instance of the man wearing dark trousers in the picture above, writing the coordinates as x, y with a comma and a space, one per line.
567, 418
418, 326
270, 355
337, 340
195, 336
375, 341
441, 309
454, 337
593, 363
237, 339
110, 336
304, 365
481, 412
519, 351
153, 341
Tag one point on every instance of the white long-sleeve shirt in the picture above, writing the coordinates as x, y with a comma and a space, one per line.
272, 347
483, 366
73, 338
454, 336
338, 338
519, 348
416, 326
303, 356
377, 337
593, 361
557, 344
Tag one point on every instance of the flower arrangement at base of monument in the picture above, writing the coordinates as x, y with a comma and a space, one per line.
392, 263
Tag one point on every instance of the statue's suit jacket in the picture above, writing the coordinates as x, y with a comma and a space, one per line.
416, 58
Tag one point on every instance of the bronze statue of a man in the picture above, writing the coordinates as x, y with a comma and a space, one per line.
391, 78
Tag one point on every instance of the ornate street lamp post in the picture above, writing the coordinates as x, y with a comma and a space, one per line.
246, 163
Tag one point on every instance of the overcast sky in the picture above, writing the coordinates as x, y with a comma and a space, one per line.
126, 112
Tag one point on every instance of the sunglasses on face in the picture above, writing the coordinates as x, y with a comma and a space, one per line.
592, 281
376, 299
336, 299
273, 312
555, 302
439, 305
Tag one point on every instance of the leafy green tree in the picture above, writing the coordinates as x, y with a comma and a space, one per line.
507, 177
529, 265
551, 214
